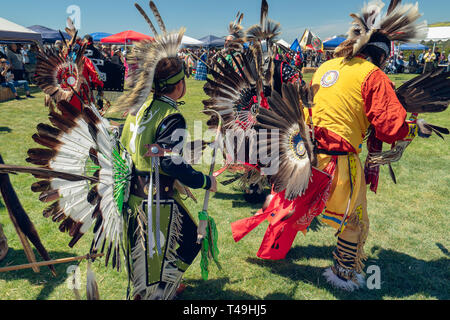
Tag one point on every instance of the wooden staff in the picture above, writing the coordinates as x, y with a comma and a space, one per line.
197, 58
47, 263
25, 244
22, 223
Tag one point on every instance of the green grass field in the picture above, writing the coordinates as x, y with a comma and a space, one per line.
408, 240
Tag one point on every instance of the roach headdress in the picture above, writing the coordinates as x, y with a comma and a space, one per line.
236, 35
267, 29
398, 24
145, 56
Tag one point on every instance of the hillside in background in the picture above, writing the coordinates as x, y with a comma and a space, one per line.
440, 24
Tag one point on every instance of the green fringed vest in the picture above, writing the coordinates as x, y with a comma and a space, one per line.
140, 130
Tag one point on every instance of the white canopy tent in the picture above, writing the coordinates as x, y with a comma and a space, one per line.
284, 43
10, 31
188, 41
438, 34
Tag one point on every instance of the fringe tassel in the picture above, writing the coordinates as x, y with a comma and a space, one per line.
170, 272
138, 255
92, 292
363, 234
171, 275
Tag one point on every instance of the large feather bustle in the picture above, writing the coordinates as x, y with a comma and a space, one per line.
50, 64
231, 91
146, 56
77, 171
286, 115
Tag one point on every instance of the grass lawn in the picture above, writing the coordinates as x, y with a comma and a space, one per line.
408, 240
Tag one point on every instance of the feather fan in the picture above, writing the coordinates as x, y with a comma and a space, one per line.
427, 93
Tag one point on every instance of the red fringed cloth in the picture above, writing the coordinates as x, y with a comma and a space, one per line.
286, 218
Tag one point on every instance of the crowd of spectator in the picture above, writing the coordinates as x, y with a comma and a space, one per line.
17, 67
18, 63
196, 59
427, 61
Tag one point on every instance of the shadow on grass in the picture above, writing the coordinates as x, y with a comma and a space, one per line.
401, 275
5, 129
34, 89
214, 290
443, 249
237, 200
43, 278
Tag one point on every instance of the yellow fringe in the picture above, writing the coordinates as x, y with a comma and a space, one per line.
356, 220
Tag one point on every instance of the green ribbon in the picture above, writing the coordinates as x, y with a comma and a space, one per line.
210, 249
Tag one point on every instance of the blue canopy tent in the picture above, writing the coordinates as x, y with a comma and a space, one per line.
213, 41
98, 36
412, 47
49, 35
333, 43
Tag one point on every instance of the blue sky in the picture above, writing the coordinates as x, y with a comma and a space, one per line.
202, 17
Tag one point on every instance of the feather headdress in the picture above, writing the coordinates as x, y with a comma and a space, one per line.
236, 34
145, 56
267, 29
398, 24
